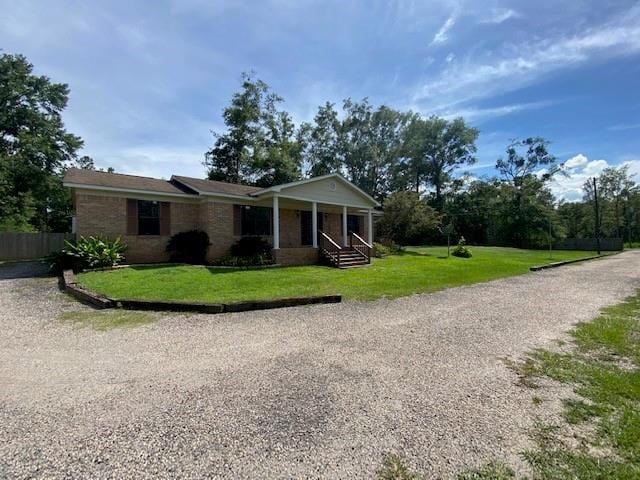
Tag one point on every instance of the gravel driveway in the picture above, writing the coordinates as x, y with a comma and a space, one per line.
318, 391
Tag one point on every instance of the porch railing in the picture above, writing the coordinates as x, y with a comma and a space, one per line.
358, 244
329, 248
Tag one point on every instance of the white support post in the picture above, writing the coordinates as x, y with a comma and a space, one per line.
345, 234
370, 227
276, 223
314, 223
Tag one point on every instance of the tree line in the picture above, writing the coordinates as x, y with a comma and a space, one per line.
414, 165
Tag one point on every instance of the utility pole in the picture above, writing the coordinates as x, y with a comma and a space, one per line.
595, 197
550, 246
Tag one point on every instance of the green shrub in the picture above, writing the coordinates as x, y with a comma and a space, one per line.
251, 247
189, 247
250, 261
461, 250
90, 252
384, 248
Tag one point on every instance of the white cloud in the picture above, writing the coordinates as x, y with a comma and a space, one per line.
624, 127
575, 162
478, 114
442, 35
450, 58
518, 65
580, 169
499, 15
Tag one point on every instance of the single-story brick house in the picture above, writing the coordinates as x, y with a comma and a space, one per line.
145, 212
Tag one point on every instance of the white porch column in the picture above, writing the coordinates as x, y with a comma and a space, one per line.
276, 223
345, 234
370, 227
314, 223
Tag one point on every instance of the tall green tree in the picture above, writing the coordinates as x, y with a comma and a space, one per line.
34, 147
528, 204
436, 148
260, 144
322, 141
408, 219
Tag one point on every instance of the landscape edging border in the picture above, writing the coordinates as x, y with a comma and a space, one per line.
69, 283
568, 262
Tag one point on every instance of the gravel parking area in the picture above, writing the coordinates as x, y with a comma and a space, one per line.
308, 392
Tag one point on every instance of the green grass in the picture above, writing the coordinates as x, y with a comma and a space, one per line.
599, 435
604, 370
418, 270
106, 320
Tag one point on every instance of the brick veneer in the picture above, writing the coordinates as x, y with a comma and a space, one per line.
296, 256
107, 215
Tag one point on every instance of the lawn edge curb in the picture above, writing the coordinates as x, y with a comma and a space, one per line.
69, 283
537, 268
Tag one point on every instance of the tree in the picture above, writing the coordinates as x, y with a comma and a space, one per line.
278, 157
407, 219
373, 145
231, 158
85, 162
528, 207
260, 145
616, 192
526, 158
436, 147
34, 145
323, 151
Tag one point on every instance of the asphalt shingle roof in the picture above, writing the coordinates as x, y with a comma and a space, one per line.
177, 184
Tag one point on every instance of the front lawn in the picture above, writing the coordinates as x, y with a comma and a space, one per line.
418, 270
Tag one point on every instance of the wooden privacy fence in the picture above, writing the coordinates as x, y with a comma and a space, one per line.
589, 244
27, 246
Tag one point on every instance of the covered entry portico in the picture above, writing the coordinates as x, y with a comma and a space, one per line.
331, 214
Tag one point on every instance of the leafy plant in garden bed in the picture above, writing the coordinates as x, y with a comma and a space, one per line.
189, 247
461, 250
248, 252
89, 252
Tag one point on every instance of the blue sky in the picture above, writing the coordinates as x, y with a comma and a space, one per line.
149, 79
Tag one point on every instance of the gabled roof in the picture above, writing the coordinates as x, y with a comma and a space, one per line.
188, 186
337, 176
76, 177
213, 187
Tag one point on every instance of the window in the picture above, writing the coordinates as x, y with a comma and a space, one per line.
148, 217
306, 227
353, 224
255, 220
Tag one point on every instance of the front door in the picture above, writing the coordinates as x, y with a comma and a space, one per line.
306, 227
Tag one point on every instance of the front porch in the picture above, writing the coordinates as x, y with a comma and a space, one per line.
305, 232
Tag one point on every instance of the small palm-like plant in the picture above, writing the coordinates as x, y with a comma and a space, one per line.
89, 252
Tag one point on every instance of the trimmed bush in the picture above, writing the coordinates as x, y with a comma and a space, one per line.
189, 247
90, 252
461, 250
251, 247
384, 248
252, 261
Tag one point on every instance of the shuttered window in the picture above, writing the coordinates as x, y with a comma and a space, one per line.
148, 217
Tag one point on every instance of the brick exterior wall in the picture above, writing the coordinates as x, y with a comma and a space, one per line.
296, 256
289, 228
217, 220
107, 216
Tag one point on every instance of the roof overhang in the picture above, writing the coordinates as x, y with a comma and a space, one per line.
281, 190
84, 186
